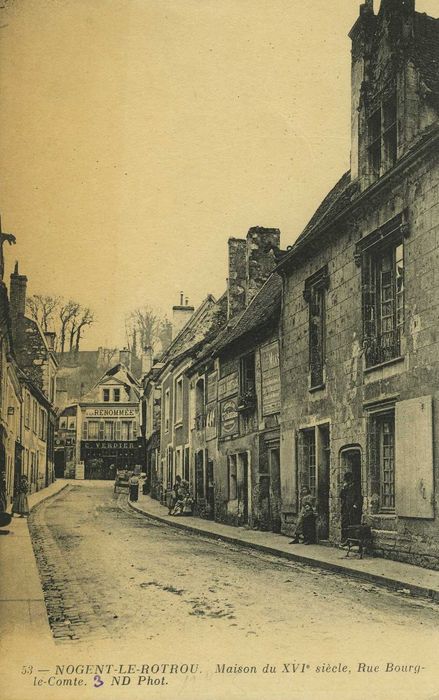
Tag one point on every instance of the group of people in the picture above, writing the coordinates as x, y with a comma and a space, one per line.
20, 504
180, 501
350, 509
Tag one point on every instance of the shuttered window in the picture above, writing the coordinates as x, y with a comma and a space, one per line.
414, 458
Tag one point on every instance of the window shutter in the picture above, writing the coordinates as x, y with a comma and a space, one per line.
414, 458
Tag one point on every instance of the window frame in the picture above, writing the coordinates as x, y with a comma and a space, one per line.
369, 255
116, 395
382, 134
316, 286
106, 395
376, 455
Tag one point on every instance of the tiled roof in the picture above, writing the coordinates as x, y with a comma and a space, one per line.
262, 310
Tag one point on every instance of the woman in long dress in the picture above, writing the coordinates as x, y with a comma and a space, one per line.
20, 505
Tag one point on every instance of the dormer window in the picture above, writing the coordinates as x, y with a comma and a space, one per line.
382, 137
106, 393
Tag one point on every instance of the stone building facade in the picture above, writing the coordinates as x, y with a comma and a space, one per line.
360, 314
235, 393
108, 421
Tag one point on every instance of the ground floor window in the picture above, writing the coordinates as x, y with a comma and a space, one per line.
382, 459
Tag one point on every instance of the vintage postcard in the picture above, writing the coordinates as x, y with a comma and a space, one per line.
219, 349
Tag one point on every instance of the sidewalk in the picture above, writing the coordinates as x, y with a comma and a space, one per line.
22, 608
413, 580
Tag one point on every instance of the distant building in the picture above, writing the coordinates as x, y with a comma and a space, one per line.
108, 424
66, 455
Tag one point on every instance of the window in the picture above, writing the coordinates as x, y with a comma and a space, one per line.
167, 410
106, 393
109, 430
116, 395
93, 430
232, 478
101, 430
117, 430
314, 294
309, 460
179, 400
42, 425
383, 303
85, 431
247, 381
72, 424
383, 137
126, 430
382, 459
27, 411
63, 423
199, 405
34, 416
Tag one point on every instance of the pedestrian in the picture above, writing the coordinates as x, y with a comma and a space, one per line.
5, 518
20, 504
306, 523
134, 487
350, 507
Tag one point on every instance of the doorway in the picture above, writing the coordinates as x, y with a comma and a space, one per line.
243, 487
351, 462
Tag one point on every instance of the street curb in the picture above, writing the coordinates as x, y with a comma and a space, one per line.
383, 581
47, 497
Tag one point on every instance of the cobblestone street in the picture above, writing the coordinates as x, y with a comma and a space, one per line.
109, 573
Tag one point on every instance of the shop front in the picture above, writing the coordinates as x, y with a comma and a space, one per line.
103, 458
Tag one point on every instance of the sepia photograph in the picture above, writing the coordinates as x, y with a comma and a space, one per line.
219, 349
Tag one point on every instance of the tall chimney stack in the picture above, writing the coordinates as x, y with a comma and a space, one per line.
181, 315
237, 276
17, 297
261, 242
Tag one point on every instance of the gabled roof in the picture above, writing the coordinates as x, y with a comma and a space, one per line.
121, 375
263, 311
203, 325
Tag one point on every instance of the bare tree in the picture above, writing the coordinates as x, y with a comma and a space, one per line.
142, 324
165, 333
86, 319
67, 312
42, 308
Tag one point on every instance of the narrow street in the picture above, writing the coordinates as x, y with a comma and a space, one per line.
109, 573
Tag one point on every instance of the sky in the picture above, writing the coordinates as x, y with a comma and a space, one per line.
139, 135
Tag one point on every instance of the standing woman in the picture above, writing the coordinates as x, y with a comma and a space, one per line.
134, 488
20, 505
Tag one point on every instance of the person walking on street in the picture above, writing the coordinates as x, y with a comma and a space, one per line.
20, 504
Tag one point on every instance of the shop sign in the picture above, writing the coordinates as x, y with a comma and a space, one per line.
108, 445
229, 417
228, 385
111, 413
212, 387
80, 470
270, 371
211, 421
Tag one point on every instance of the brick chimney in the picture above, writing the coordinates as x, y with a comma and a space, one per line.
125, 357
146, 359
237, 278
260, 259
17, 296
181, 315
